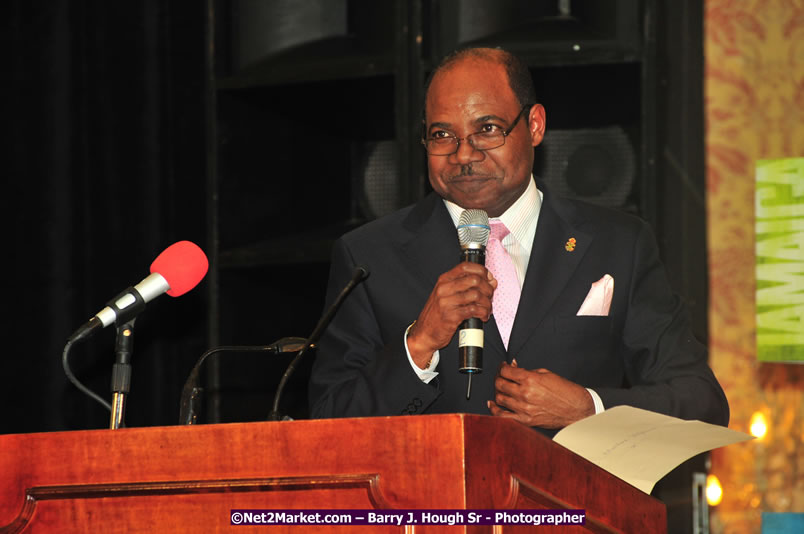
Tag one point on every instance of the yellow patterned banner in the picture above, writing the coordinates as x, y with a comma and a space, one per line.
780, 260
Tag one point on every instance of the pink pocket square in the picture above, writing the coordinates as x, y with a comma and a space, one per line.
598, 300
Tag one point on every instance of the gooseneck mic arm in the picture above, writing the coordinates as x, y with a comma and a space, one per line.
191, 393
358, 276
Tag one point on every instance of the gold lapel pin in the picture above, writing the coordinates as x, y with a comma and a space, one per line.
570, 246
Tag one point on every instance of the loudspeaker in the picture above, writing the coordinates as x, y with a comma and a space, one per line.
545, 31
375, 179
596, 165
261, 28
310, 30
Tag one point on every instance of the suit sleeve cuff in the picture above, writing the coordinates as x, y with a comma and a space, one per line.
595, 397
425, 375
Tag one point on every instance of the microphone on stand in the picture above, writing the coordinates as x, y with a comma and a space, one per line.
177, 270
191, 392
358, 275
473, 234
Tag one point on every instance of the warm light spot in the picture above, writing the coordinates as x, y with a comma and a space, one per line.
758, 425
714, 491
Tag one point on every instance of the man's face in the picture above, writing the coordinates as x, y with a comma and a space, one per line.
468, 97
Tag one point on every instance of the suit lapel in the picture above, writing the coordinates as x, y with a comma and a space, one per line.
431, 247
550, 268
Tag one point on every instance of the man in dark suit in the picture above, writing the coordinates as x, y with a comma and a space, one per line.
572, 351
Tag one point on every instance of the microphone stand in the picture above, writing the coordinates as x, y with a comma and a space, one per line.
121, 373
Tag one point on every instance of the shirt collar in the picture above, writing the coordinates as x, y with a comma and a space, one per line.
520, 218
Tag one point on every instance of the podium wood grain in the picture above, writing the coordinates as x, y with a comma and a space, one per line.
188, 478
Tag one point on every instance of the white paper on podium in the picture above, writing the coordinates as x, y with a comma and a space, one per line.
639, 446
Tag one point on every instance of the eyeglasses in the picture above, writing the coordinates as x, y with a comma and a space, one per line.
483, 140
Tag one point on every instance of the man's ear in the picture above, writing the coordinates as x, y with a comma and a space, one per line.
536, 119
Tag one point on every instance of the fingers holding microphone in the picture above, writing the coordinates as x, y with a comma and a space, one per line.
463, 292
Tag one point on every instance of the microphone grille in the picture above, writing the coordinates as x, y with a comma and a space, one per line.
473, 227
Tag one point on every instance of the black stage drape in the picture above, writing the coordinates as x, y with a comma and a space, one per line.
105, 116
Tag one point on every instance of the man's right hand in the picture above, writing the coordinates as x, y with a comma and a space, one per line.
461, 293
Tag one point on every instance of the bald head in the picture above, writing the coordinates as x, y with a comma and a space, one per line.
519, 78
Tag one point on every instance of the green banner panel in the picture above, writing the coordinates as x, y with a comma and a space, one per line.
780, 260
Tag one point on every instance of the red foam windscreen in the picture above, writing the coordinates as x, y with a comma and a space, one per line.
183, 265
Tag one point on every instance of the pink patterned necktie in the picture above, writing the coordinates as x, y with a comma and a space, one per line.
506, 296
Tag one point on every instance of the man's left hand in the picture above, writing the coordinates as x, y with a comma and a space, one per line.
539, 397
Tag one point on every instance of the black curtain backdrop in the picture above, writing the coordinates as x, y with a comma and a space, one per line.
107, 168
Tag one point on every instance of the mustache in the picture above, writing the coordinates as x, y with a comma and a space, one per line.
467, 171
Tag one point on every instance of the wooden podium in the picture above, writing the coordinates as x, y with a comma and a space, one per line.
188, 478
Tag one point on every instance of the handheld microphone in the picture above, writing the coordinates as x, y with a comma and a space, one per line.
473, 234
177, 270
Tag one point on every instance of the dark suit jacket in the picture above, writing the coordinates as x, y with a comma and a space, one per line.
643, 354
